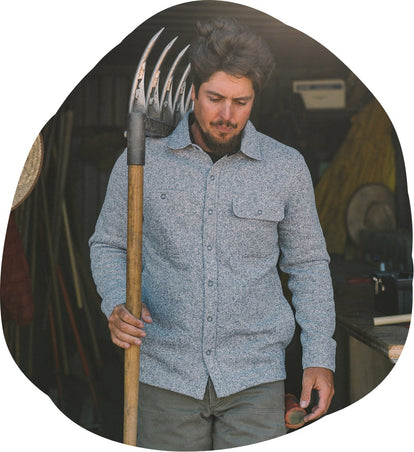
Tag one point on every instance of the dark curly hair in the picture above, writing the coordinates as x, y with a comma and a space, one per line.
225, 45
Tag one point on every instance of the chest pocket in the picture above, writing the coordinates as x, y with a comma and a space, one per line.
172, 221
255, 223
257, 208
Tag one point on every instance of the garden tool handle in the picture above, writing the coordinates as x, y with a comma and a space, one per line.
135, 158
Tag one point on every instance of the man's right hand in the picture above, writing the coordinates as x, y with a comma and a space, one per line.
126, 329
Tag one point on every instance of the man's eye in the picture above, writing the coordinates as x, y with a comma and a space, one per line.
214, 99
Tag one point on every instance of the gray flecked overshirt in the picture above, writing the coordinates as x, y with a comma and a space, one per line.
213, 236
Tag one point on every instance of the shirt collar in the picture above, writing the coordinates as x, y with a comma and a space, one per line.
250, 144
180, 139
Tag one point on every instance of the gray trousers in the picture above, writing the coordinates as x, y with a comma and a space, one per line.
171, 421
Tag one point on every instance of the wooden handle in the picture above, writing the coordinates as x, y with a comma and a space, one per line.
133, 299
392, 319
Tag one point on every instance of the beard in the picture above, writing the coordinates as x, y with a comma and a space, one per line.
217, 146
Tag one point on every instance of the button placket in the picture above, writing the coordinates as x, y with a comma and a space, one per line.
210, 264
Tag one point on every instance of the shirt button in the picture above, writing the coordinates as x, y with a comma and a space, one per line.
209, 318
208, 352
209, 247
163, 196
210, 211
210, 283
259, 212
212, 177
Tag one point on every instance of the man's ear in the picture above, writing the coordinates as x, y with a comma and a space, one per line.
193, 93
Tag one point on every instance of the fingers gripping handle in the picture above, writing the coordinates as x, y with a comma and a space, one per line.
136, 138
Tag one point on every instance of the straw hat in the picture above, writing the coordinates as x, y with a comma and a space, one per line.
30, 173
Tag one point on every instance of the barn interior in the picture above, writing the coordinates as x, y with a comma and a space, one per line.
55, 330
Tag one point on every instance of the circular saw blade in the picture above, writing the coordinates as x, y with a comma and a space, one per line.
372, 207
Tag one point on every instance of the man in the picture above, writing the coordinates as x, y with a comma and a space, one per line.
223, 206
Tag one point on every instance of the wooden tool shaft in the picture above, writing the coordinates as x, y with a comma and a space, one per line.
133, 298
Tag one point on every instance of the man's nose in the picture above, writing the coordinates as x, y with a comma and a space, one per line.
226, 111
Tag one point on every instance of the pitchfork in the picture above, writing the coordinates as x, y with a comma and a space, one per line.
149, 115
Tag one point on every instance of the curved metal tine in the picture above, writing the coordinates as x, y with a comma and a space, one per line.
138, 89
181, 106
181, 86
152, 100
167, 113
189, 104
179, 109
170, 76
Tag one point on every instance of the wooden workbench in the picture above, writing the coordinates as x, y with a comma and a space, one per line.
372, 350
355, 313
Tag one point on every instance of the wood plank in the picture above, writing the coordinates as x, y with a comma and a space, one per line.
392, 319
395, 351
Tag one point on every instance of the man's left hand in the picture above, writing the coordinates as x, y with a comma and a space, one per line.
320, 379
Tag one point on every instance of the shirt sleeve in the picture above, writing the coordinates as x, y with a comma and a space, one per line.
109, 242
305, 259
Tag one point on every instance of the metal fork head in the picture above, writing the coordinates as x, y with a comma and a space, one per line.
162, 114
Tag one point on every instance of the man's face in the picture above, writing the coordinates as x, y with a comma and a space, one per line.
222, 108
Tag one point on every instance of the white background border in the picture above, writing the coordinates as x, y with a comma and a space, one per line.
48, 46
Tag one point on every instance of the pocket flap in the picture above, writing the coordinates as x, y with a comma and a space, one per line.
257, 208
